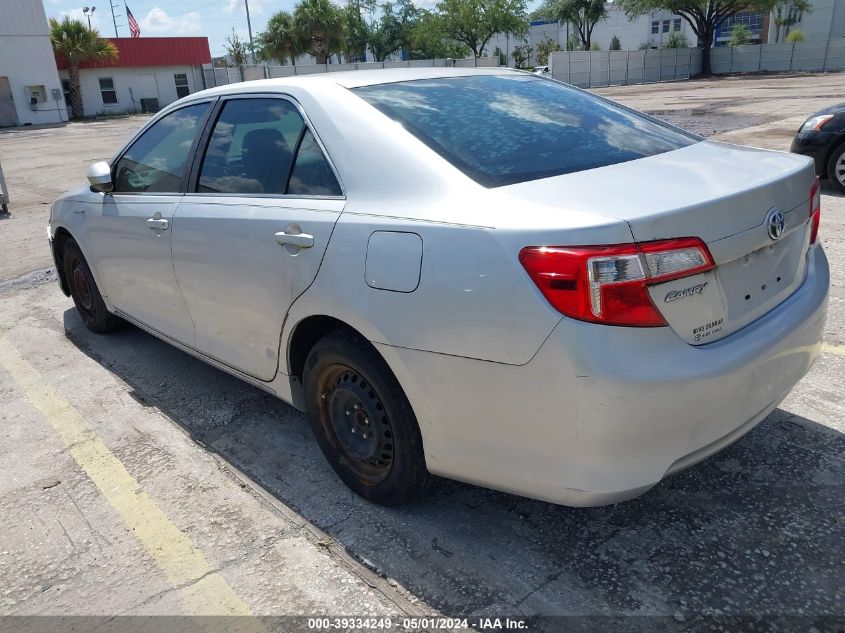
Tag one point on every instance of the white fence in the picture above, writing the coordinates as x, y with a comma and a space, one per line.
222, 76
607, 68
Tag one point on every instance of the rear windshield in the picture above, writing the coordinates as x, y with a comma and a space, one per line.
502, 129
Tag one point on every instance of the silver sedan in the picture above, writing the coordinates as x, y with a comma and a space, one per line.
480, 274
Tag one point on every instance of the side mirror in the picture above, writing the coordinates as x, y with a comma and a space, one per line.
99, 175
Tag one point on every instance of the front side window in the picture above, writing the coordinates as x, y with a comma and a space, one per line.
655, 27
182, 89
665, 26
107, 91
157, 162
676, 26
262, 146
505, 129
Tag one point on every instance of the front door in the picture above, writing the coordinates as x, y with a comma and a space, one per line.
8, 114
130, 233
250, 239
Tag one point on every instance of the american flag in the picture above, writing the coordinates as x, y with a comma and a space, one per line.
133, 23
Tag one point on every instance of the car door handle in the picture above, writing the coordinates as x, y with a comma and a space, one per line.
157, 223
302, 240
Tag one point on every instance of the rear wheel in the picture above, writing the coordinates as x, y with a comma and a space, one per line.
362, 420
836, 168
86, 296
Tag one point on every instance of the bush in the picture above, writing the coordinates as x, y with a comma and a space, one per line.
740, 35
795, 36
676, 39
615, 44
595, 46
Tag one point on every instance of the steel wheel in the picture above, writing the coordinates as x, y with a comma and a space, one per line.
356, 424
83, 289
362, 419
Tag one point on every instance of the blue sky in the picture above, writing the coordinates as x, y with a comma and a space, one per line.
213, 18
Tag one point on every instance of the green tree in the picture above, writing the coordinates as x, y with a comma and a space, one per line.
391, 30
615, 44
740, 35
521, 56
545, 48
787, 13
582, 14
474, 22
704, 16
322, 23
676, 39
795, 36
429, 40
74, 41
280, 41
237, 50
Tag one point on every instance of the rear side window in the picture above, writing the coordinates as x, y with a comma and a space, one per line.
262, 146
503, 129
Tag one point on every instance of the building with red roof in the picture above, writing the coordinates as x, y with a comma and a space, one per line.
148, 74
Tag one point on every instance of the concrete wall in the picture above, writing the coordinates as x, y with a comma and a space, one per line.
607, 68
26, 59
132, 85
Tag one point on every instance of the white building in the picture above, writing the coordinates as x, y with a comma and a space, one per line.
30, 90
148, 74
826, 22
650, 30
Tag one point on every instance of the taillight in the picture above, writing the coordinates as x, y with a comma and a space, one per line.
609, 284
815, 210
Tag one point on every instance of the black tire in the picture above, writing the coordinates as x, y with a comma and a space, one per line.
86, 296
837, 181
362, 420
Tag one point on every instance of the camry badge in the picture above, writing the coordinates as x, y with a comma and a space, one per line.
775, 223
673, 295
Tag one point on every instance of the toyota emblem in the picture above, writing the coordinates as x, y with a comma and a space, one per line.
775, 223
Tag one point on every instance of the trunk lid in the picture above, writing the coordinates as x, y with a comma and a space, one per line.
720, 193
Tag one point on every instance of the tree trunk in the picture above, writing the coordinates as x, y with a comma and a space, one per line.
77, 109
705, 58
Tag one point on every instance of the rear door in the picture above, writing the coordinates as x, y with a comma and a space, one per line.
251, 234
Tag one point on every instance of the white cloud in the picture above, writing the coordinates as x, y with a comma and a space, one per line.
77, 14
255, 6
157, 21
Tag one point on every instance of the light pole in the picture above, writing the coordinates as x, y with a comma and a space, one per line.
249, 26
89, 13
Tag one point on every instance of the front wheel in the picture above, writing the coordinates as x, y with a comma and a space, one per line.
836, 168
86, 296
362, 420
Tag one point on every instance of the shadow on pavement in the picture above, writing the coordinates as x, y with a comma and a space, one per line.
756, 529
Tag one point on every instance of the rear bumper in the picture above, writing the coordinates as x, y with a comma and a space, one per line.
601, 414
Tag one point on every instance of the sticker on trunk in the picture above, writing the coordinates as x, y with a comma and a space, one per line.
703, 332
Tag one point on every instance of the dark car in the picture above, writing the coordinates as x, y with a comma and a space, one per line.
822, 137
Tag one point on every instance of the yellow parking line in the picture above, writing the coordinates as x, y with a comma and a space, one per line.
830, 348
201, 589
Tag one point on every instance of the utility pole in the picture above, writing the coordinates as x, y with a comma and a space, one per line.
249, 26
114, 17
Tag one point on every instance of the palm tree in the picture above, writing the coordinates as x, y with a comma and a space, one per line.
280, 41
322, 23
74, 41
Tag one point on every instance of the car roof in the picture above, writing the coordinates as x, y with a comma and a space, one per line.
351, 79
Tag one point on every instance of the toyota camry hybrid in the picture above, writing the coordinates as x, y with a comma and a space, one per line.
485, 275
